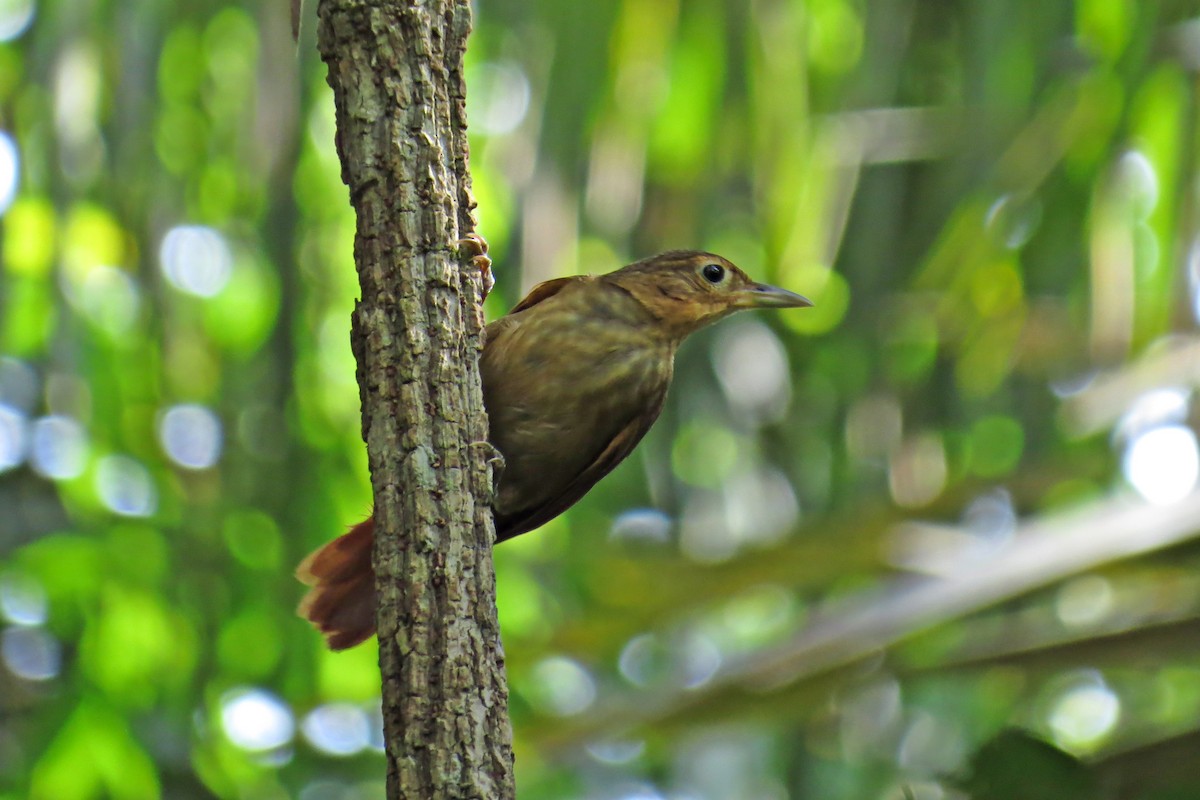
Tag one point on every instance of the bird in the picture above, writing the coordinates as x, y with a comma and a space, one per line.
573, 377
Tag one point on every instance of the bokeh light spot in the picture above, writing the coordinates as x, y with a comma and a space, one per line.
701, 660
835, 37
256, 720
1140, 181
1193, 269
91, 237
869, 714
375, 717
1013, 220
191, 436
1085, 601
30, 653
58, 447
562, 687
12, 437
499, 97
991, 516
125, 486
636, 791
22, 599
616, 751
931, 745
756, 617
703, 533
15, 17
1165, 405
110, 298
643, 659
917, 470
752, 367
196, 260
1084, 714
10, 164
340, 729
760, 505
1162, 463
335, 790
642, 525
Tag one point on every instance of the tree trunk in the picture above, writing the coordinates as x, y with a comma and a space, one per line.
396, 72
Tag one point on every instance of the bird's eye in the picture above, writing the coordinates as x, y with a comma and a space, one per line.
713, 273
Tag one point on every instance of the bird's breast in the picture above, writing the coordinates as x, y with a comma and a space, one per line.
559, 386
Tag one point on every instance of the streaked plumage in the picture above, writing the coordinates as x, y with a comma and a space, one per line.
573, 377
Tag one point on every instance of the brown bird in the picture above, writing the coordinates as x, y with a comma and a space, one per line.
573, 377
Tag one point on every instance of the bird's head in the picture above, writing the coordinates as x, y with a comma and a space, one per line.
684, 290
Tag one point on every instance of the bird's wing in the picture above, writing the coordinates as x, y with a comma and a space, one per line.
620, 446
540, 292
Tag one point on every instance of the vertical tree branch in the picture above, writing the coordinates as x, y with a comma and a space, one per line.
396, 71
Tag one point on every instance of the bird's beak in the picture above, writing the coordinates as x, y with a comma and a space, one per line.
761, 295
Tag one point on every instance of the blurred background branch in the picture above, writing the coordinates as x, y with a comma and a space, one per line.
974, 573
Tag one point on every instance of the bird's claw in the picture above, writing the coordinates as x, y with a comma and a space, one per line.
495, 460
474, 248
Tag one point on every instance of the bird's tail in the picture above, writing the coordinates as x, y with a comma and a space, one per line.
341, 602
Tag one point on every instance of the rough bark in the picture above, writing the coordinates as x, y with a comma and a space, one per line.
396, 70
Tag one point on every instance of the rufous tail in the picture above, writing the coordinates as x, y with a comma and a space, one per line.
341, 602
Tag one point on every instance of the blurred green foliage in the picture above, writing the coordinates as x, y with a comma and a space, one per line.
911, 543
